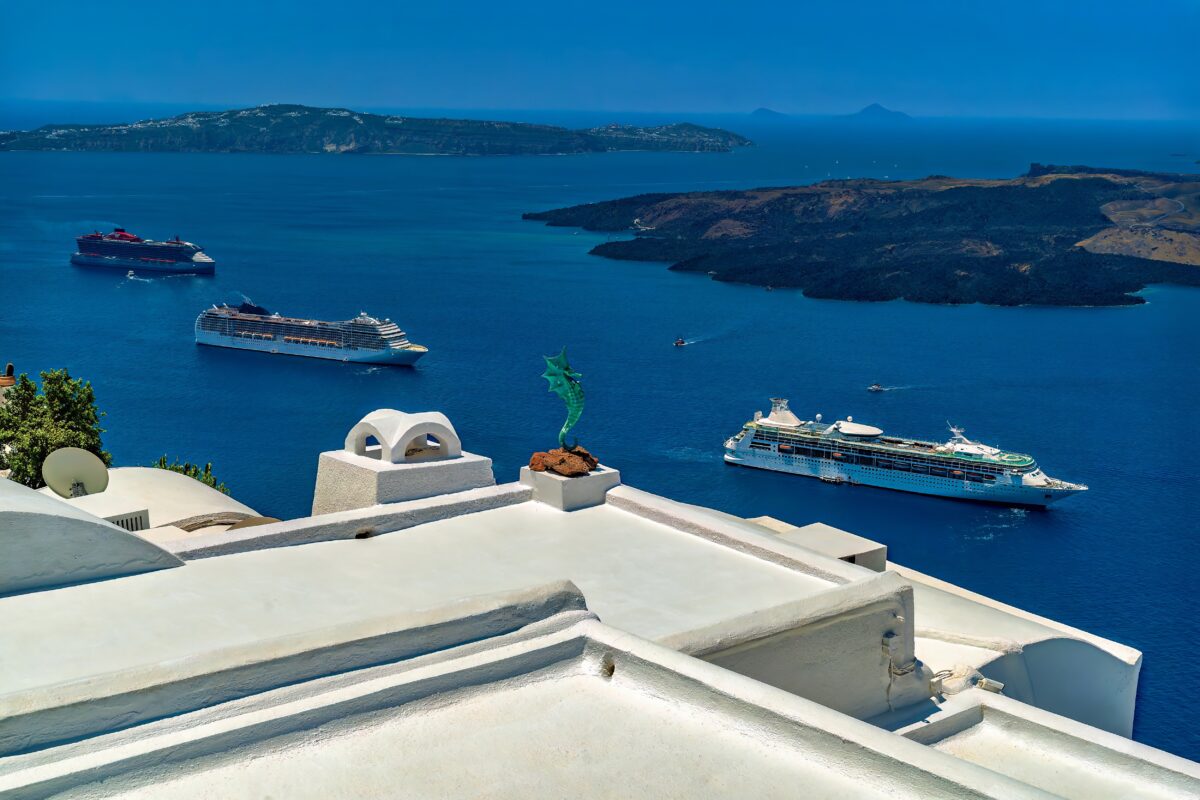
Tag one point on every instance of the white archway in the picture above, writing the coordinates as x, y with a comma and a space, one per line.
402, 438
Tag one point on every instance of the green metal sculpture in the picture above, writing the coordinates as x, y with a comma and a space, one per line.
564, 382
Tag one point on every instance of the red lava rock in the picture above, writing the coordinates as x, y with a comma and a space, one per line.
567, 463
587, 457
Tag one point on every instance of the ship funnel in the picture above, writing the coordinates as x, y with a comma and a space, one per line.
780, 413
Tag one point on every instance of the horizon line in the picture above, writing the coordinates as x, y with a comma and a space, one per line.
376, 107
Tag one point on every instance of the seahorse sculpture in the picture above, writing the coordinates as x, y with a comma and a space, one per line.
564, 382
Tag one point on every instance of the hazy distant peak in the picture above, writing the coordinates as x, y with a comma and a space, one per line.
878, 112
768, 113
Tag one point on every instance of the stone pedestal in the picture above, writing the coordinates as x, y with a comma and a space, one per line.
346, 480
571, 494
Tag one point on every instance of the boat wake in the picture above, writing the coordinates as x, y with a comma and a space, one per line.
709, 337
883, 388
696, 455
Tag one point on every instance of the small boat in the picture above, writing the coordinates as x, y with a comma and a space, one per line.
680, 342
131, 274
875, 387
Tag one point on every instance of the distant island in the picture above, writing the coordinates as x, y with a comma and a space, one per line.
304, 129
769, 114
877, 113
1055, 236
872, 113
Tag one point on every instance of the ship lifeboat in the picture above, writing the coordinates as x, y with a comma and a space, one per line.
838, 455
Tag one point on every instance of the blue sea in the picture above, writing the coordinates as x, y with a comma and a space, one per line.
1100, 396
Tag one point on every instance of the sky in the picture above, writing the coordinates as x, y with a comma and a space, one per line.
1008, 58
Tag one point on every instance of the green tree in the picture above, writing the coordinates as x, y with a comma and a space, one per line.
34, 424
204, 475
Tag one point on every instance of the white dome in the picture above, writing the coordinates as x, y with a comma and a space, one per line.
858, 429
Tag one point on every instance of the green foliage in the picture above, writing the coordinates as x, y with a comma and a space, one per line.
34, 424
204, 475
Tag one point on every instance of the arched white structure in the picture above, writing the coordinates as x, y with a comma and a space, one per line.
404, 438
392, 457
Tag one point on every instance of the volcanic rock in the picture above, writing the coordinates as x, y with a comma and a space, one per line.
568, 463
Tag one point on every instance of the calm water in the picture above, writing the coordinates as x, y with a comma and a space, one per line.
1101, 396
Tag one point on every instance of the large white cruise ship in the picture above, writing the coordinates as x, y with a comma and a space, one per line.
850, 452
363, 339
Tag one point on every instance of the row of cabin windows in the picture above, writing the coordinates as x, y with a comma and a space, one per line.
849, 450
271, 330
871, 460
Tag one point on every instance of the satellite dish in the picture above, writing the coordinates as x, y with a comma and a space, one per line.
74, 472
849, 419
818, 417
250, 522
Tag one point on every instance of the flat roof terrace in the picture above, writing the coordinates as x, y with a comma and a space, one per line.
565, 707
639, 575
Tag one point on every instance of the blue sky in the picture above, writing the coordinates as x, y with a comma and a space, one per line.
1097, 59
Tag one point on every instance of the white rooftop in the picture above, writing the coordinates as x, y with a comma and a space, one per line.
440, 635
170, 497
641, 576
564, 706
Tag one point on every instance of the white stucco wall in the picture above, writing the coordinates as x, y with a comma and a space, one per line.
1052, 752
45, 542
346, 481
580, 710
1040, 661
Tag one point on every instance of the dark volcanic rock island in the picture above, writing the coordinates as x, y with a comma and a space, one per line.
1055, 236
303, 129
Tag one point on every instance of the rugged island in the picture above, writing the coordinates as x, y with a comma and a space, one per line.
1054, 236
304, 129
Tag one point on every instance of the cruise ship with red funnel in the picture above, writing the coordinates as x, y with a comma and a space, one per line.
124, 250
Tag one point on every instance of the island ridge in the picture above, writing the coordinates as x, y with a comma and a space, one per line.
1078, 236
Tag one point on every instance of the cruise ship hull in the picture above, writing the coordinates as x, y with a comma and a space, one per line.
1013, 493
403, 357
200, 264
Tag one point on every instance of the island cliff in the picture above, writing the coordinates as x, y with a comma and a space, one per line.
1056, 236
303, 129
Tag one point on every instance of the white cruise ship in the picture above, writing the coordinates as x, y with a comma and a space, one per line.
363, 339
850, 452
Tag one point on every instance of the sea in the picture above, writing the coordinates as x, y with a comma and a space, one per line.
1102, 396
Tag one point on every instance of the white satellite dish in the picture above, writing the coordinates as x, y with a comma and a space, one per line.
74, 472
